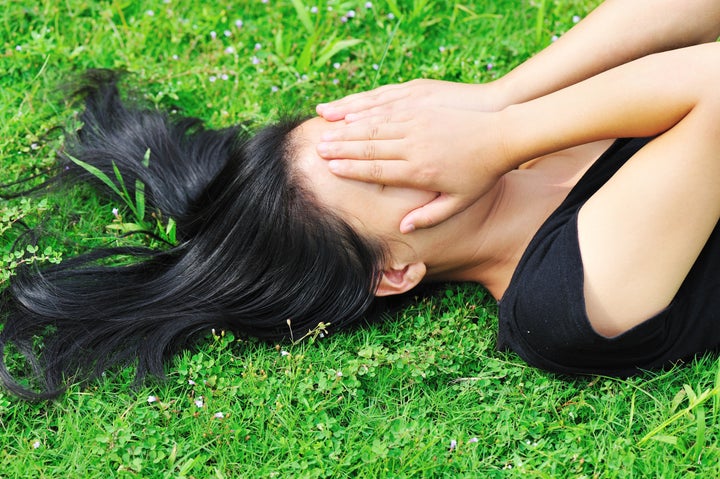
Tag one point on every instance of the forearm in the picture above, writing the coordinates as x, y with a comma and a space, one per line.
642, 98
616, 32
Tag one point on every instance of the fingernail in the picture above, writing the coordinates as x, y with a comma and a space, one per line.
407, 228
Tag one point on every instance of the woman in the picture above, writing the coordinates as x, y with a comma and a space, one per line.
272, 244
609, 273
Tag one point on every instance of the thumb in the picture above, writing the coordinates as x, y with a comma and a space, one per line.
432, 214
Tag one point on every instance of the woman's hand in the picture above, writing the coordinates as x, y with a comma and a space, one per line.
388, 99
458, 153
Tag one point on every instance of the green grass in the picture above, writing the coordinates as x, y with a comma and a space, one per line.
424, 394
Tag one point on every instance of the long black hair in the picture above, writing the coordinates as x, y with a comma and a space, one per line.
256, 253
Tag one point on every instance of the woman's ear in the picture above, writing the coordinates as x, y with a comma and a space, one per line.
400, 280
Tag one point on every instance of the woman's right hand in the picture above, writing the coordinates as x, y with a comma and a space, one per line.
388, 99
460, 154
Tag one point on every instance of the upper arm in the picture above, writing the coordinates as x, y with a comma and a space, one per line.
642, 231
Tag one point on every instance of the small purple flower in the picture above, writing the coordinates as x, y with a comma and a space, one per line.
368, 5
313, 9
489, 66
442, 49
227, 33
258, 46
390, 16
230, 50
350, 14
199, 402
274, 89
554, 38
576, 18
224, 76
213, 35
36, 444
343, 19
239, 23
473, 440
375, 66
151, 399
219, 415
453, 444
212, 78
115, 212
255, 60
18, 48
191, 382
150, 13
336, 65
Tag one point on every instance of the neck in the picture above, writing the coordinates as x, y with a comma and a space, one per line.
490, 237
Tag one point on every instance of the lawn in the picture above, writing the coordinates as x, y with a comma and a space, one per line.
423, 393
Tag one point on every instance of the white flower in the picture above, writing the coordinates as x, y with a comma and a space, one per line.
213, 35
36, 444
284, 353
350, 14
473, 440
151, 399
576, 18
219, 415
368, 5
229, 50
313, 9
150, 13
238, 23
191, 382
453, 444
199, 402
227, 33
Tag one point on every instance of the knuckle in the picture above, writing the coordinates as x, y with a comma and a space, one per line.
374, 131
376, 171
369, 150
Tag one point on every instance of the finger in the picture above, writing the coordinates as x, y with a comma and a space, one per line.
374, 129
363, 150
384, 172
432, 214
360, 102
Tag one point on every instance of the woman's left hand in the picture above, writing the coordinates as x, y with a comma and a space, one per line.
458, 153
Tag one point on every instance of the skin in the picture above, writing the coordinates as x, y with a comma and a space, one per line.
647, 225
482, 244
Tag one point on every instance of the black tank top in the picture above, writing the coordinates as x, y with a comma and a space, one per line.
542, 313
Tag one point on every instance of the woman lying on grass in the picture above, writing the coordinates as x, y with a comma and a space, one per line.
602, 252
